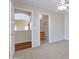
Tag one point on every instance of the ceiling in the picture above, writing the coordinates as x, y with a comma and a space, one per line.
46, 4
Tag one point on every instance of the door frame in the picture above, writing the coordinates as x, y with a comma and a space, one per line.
48, 25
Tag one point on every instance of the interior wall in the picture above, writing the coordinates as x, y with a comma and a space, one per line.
23, 36
57, 27
66, 26
20, 24
56, 24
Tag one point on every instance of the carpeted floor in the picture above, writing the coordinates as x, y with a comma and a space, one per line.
57, 50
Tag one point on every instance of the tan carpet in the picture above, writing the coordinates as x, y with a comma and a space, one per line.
57, 50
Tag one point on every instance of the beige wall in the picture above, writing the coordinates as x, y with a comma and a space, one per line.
23, 36
57, 27
20, 24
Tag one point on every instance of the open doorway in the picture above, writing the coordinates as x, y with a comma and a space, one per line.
22, 29
44, 28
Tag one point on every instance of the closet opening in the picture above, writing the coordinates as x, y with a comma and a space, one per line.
44, 29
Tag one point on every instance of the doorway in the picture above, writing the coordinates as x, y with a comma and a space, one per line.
22, 29
44, 29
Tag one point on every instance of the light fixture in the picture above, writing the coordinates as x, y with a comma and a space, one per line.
40, 17
62, 5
